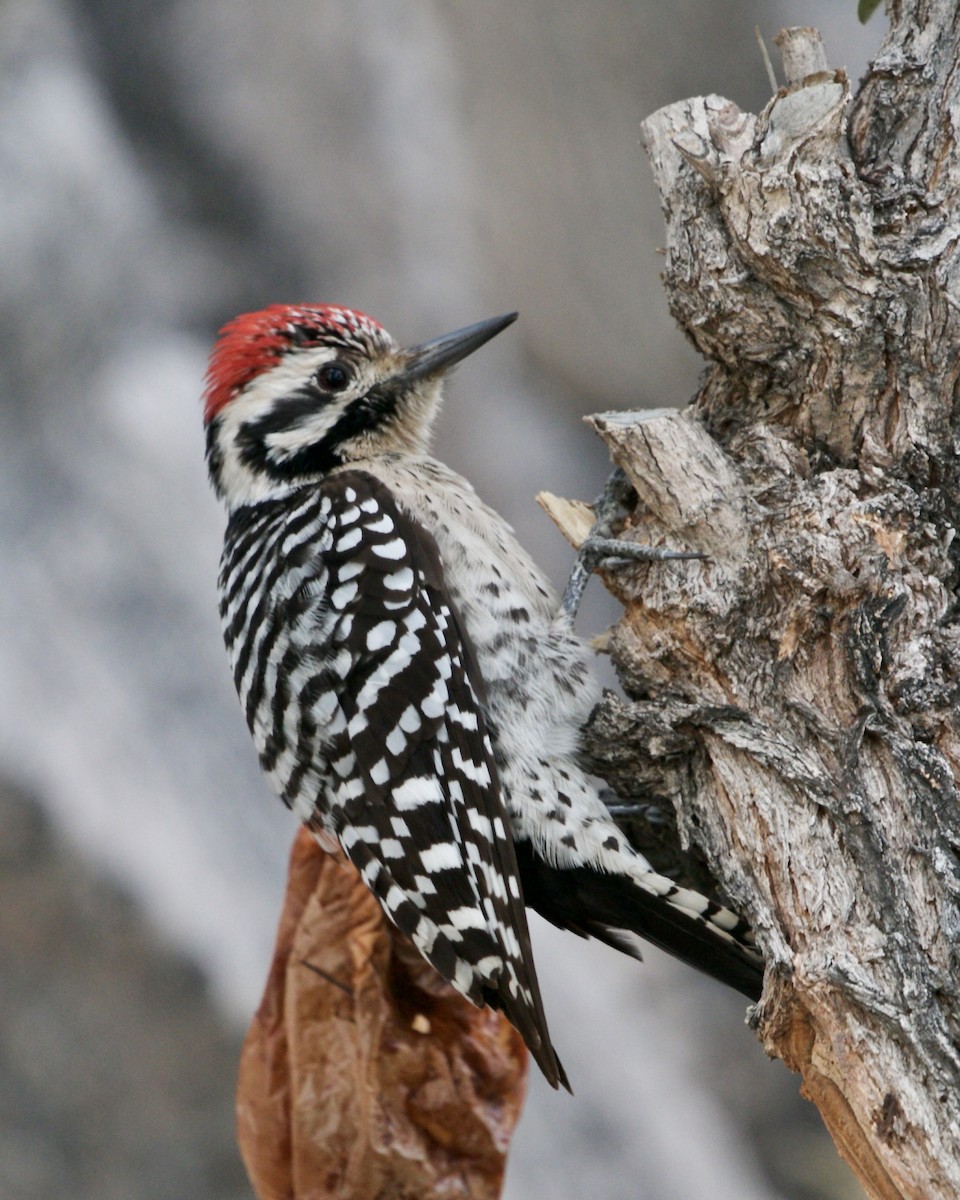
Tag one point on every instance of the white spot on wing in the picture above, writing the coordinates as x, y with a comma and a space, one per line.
396, 741
358, 833
399, 581
342, 596
415, 792
441, 857
350, 570
383, 524
466, 918
394, 898
480, 823
380, 772
410, 720
477, 772
432, 705
345, 766
381, 635
393, 549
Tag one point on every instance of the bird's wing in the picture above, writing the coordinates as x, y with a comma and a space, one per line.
413, 793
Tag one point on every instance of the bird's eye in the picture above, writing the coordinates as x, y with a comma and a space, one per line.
333, 377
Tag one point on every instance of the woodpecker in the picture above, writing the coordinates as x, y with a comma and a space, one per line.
413, 688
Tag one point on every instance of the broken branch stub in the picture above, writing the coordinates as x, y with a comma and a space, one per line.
682, 476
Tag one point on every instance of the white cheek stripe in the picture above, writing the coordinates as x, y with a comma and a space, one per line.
243, 484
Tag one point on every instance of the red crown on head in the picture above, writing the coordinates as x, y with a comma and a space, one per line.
255, 341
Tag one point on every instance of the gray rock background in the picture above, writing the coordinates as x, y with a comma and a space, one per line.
164, 165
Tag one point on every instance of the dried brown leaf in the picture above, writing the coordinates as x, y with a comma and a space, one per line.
364, 1074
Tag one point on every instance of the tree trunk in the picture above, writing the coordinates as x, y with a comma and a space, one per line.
795, 694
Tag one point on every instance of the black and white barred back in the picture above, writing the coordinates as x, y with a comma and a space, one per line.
366, 706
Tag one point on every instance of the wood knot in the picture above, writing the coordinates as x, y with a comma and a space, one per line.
888, 1120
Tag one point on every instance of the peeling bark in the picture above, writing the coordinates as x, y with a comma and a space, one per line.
794, 696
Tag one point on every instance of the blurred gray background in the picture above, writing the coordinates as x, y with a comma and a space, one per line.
164, 165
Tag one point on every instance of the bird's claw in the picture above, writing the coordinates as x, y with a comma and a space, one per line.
599, 550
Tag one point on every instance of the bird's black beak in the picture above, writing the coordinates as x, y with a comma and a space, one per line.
430, 358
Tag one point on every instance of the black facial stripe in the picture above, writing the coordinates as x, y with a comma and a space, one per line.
284, 414
214, 455
288, 411
367, 412
375, 408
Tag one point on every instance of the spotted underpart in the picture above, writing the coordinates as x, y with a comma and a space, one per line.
365, 704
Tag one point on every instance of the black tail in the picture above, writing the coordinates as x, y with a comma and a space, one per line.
593, 904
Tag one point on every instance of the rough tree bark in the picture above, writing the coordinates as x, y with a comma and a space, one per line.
795, 695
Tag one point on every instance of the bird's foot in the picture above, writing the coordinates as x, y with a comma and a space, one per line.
600, 550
